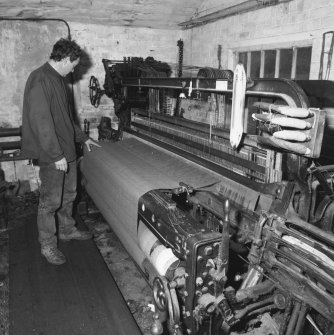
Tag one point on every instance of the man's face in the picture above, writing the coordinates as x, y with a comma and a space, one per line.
69, 66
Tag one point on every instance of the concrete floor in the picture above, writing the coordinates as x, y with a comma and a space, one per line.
135, 289
4, 284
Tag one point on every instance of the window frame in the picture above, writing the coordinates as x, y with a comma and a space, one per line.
278, 48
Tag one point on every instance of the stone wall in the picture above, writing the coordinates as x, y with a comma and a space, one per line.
294, 23
25, 46
115, 43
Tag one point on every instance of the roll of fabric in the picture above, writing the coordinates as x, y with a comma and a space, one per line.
285, 110
282, 121
292, 135
119, 173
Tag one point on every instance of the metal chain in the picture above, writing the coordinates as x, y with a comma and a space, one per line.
180, 65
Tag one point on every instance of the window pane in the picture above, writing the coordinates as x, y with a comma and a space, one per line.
269, 63
243, 59
303, 63
255, 64
285, 63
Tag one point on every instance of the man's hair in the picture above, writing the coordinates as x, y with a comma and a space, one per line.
65, 48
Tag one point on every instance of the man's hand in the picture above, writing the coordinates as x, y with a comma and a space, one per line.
90, 142
62, 165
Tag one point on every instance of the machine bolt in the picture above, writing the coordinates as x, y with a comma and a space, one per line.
198, 293
156, 328
258, 243
143, 207
280, 300
199, 281
210, 263
187, 252
186, 275
185, 293
199, 258
172, 284
211, 309
237, 277
189, 331
208, 250
187, 314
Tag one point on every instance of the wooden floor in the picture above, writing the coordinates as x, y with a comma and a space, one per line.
77, 298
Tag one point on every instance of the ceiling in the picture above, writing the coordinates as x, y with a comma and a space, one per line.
157, 14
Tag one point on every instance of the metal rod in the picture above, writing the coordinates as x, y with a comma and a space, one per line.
223, 254
301, 320
195, 125
251, 307
215, 152
293, 319
263, 310
10, 145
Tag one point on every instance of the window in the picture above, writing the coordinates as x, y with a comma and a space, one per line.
289, 63
303, 63
285, 63
255, 64
269, 63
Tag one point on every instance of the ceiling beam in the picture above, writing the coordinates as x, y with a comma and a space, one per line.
240, 8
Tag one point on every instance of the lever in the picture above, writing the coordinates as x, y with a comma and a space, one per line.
223, 255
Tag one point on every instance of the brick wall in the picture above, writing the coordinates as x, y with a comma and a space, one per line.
25, 46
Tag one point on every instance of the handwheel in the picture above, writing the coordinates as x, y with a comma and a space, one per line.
95, 92
160, 295
166, 299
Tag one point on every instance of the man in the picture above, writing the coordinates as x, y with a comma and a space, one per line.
49, 135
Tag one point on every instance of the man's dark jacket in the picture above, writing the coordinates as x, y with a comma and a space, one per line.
48, 131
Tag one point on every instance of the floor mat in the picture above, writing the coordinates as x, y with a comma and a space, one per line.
77, 298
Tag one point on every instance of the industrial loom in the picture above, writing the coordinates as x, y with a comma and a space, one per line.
234, 239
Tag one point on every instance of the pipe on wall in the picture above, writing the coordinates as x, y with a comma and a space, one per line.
33, 19
12, 145
8, 132
240, 8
